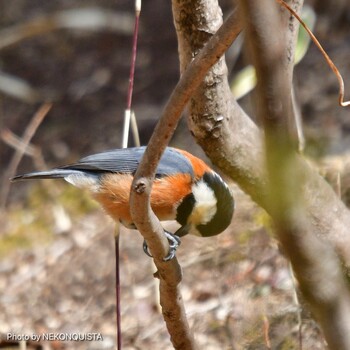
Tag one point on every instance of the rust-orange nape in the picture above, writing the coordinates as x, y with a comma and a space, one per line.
199, 167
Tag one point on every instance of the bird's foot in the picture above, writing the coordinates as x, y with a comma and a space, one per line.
174, 242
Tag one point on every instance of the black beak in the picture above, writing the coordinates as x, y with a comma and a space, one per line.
183, 230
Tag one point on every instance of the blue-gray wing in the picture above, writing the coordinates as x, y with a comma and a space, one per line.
126, 160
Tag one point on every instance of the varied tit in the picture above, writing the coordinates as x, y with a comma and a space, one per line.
185, 189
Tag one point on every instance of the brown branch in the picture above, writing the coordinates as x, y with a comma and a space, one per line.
169, 273
145, 220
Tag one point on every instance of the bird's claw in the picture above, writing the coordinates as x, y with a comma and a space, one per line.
145, 249
174, 242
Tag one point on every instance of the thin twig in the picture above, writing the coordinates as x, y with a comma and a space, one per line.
29, 149
60, 215
37, 119
117, 285
12, 140
134, 52
126, 127
128, 116
324, 53
135, 129
266, 328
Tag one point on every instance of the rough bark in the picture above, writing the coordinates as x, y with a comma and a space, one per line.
169, 273
234, 143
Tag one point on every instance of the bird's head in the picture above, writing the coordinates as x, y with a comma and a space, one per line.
208, 209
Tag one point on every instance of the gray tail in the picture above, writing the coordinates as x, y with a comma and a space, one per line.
50, 174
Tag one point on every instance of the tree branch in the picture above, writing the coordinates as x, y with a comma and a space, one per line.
314, 261
234, 143
143, 217
227, 135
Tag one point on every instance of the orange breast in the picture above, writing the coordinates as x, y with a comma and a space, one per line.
166, 195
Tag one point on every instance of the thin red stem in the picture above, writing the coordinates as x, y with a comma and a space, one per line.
133, 60
125, 137
117, 289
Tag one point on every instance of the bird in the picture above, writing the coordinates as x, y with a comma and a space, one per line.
185, 189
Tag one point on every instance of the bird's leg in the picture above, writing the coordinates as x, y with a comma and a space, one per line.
174, 242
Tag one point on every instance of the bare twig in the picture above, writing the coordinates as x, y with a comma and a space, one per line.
15, 142
129, 118
30, 150
27, 136
135, 129
133, 55
266, 328
62, 220
324, 53
315, 263
117, 284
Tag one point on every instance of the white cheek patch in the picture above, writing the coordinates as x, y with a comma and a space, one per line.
83, 181
205, 205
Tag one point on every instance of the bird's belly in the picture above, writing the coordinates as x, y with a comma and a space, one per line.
114, 194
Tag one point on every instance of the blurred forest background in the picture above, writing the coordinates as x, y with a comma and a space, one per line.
56, 247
